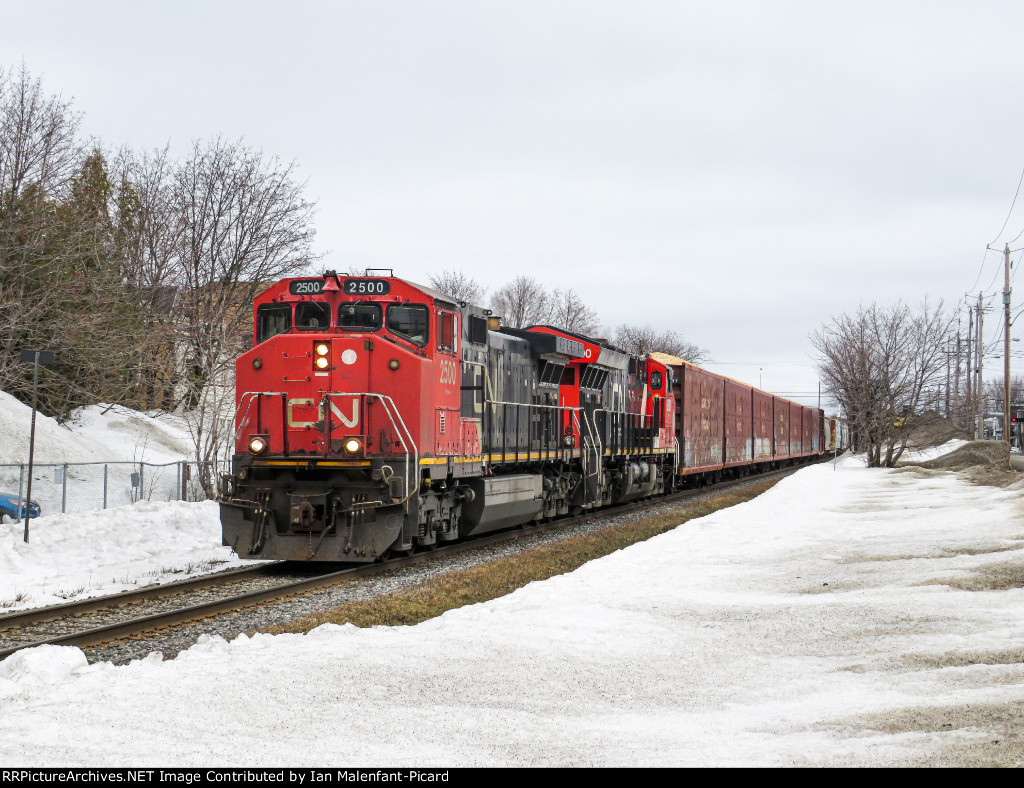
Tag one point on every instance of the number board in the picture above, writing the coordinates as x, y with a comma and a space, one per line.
306, 287
367, 287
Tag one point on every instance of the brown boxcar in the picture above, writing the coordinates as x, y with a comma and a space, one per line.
809, 432
739, 434
700, 418
796, 413
763, 426
780, 408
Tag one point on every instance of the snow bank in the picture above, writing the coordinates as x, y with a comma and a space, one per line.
113, 438
98, 433
74, 556
818, 624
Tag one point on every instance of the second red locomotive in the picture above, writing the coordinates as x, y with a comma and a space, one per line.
376, 416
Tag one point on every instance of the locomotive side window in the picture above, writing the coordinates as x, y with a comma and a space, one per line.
312, 316
409, 321
477, 329
271, 320
360, 317
446, 332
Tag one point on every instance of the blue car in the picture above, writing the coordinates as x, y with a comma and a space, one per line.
14, 507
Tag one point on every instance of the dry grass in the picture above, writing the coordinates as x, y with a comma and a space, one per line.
961, 659
942, 552
990, 477
993, 577
989, 735
497, 578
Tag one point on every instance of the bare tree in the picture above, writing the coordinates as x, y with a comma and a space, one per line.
994, 392
641, 340
521, 302
60, 278
147, 242
457, 285
39, 148
878, 365
566, 310
242, 221
39, 156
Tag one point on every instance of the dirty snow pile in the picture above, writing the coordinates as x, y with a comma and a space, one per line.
925, 453
847, 616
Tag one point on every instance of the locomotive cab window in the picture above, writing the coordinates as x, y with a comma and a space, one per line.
360, 317
271, 320
655, 381
446, 332
409, 321
312, 316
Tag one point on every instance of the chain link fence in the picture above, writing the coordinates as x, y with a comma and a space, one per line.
85, 486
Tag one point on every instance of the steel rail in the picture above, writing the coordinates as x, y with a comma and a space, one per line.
41, 615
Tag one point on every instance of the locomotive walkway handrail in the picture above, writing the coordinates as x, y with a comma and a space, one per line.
385, 401
641, 417
389, 405
247, 400
574, 412
490, 400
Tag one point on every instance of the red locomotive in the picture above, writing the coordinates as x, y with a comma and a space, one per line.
376, 416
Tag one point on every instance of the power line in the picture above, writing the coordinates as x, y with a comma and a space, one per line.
980, 269
1010, 212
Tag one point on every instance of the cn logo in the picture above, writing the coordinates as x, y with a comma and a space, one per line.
341, 416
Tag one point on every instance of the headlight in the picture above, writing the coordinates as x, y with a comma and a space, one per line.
353, 446
567, 440
257, 444
321, 355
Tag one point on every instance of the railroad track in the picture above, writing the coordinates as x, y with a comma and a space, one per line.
110, 618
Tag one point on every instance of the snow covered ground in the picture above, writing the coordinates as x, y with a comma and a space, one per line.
73, 556
95, 552
930, 452
97, 433
103, 446
822, 623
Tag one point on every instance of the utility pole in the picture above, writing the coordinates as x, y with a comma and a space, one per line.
956, 383
970, 361
947, 376
980, 353
37, 357
1006, 346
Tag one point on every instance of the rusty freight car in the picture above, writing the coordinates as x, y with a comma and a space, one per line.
725, 427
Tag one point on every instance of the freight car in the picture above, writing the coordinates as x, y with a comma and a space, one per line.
375, 416
837, 435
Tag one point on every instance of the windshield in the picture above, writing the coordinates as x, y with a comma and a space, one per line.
272, 320
312, 316
409, 321
359, 317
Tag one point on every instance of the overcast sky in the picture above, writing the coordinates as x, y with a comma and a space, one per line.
736, 171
